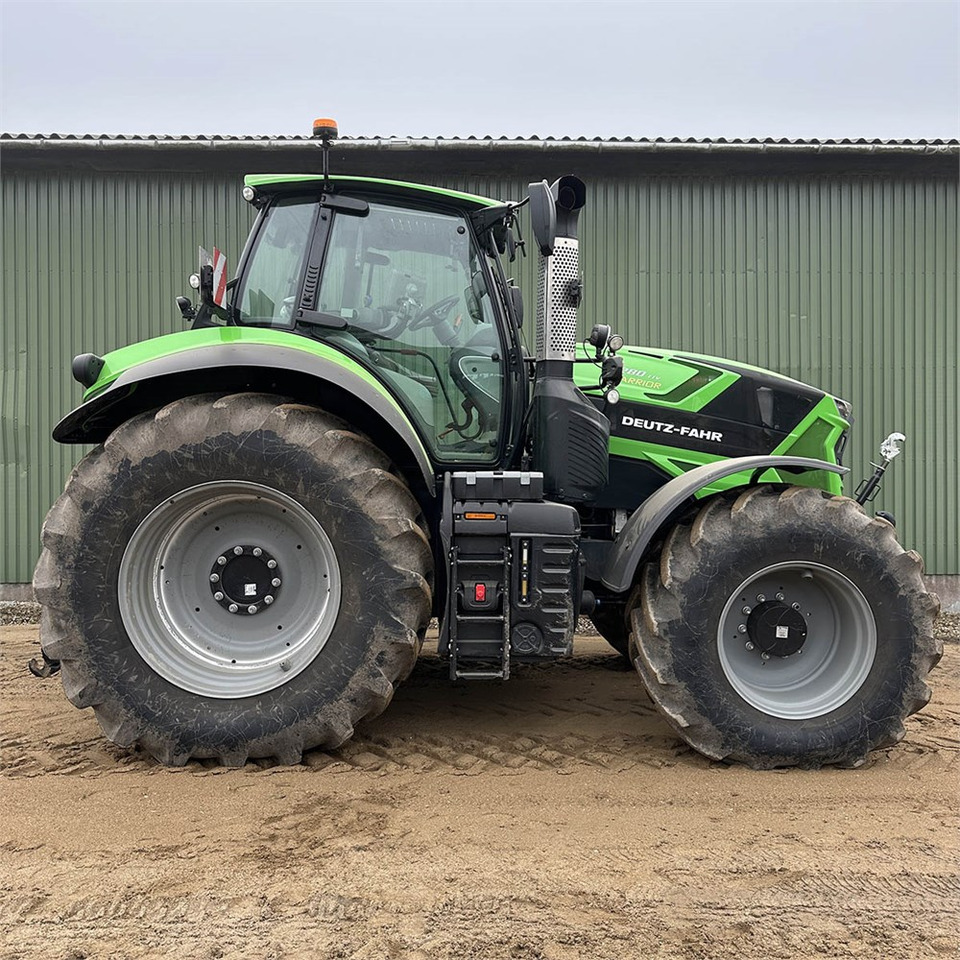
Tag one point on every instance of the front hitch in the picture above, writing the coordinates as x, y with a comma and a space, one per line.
870, 486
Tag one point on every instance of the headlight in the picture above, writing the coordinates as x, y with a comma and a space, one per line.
846, 410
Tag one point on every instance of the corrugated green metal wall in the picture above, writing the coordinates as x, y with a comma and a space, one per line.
90, 262
849, 283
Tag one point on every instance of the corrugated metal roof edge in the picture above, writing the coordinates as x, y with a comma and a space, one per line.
655, 144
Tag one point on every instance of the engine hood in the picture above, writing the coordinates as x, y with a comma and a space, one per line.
690, 381
679, 408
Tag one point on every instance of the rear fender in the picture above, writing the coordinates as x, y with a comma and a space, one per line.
334, 383
646, 521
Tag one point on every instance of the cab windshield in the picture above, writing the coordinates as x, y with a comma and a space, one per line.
272, 277
409, 292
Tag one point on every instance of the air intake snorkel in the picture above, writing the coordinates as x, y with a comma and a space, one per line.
570, 436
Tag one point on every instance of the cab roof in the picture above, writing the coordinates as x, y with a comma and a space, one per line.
279, 181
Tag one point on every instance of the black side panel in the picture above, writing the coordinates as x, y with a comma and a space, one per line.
762, 400
571, 441
630, 483
546, 578
694, 431
751, 417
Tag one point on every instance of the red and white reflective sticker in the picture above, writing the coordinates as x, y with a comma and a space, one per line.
219, 278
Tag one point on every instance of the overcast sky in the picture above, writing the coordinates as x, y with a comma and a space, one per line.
641, 69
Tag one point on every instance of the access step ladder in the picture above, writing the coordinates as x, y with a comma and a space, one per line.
479, 642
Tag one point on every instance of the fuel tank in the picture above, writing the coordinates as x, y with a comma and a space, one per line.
679, 410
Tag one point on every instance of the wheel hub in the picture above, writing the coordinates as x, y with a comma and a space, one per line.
247, 536
245, 579
826, 645
776, 629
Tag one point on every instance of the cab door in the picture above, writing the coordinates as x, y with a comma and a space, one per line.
410, 293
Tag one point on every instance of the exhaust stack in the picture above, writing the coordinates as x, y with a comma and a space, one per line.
570, 435
554, 211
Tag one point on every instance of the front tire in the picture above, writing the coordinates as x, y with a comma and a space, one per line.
233, 578
785, 628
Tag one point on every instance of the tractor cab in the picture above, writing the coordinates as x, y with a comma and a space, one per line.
408, 284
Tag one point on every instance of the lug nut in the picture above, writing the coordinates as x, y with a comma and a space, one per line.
218, 596
275, 581
746, 610
252, 608
760, 598
233, 608
795, 605
257, 551
764, 656
238, 550
221, 560
749, 645
268, 599
742, 628
214, 577
271, 564
779, 596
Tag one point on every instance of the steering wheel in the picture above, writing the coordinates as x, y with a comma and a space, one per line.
434, 314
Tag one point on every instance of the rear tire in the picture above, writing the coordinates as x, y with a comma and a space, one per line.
185, 664
825, 591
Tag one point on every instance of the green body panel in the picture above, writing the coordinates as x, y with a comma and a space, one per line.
119, 361
281, 179
659, 377
129, 358
653, 375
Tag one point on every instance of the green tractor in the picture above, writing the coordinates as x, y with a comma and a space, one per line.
352, 438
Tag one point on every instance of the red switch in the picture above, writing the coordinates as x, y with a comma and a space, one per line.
479, 592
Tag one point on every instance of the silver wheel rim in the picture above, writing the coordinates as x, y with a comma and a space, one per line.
168, 598
835, 659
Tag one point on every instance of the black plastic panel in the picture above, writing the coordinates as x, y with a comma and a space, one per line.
500, 485
571, 441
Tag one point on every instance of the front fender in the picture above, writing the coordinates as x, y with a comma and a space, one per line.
155, 372
620, 568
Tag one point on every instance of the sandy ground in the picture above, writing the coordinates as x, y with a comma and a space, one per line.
555, 816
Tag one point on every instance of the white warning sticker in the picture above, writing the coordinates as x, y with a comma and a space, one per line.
250, 590
783, 633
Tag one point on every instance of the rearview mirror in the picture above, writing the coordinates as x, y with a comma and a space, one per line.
347, 205
511, 245
516, 298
